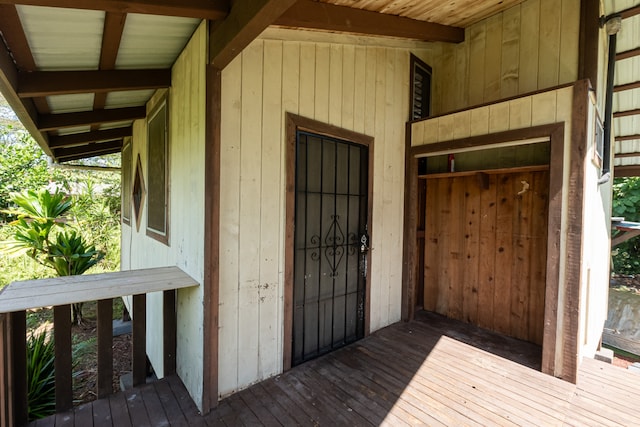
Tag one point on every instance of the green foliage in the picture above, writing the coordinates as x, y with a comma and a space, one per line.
626, 203
41, 397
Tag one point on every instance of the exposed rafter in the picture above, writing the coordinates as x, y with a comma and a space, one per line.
626, 155
89, 150
203, 9
628, 54
245, 22
87, 118
627, 137
632, 11
89, 137
46, 83
627, 86
323, 16
626, 113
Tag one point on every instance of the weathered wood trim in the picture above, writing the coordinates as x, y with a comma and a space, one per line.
329, 17
105, 347
628, 54
203, 9
139, 340
626, 113
212, 238
74, 139
48, 122
169, 326
555, 132
575, 236
245, 22
88, 150
18, 363
89, 153
295, 123
627, 86
623, 171
63, 363
409, 278
589, 40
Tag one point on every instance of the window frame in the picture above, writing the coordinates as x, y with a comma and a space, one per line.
423, 67
126, 180
161, 109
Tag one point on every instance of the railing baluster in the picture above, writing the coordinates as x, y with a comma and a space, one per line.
5, 402
139, 338
63, 362
105, 347
18, 362
170, 331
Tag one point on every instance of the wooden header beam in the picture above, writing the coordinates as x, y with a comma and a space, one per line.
202, 9
89, 137
87, 155
626, 171
625, 155
626, 113
322, 16
628, 54
627, 86
46, 83
87, 118
88, 150
245, 22
627, 137
628, 13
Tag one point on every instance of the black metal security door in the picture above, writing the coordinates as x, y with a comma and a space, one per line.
331, 244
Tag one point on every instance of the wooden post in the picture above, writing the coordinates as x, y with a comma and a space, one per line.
18, 363
105, 348
5, 403
63, 363
170, 331
139, 338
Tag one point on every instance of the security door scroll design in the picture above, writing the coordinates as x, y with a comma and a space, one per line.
330, 219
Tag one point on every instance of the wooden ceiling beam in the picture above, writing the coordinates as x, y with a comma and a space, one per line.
86, 155
627, 137
246, 20
50, 122
628, 13
628, 54
201, 9
625, 155
75, 139
626, 113
626, 171
88, 150
628, 86
47, 83
322, 16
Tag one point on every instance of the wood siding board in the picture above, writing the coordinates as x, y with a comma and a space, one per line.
510, 51
270, 213
471, 250
229, 221
250, 212
504, 254
493, 58
520, 113
306, 103
289, 239
322, 77
336, 89
462, 67
477, 36
455, 238
529, 46
410, 252
499, 117
540, 188
479, 121
569, 41
359, 96
448, 68
549, 54
543, 108
370, 92
462, 128
443, 212
433, 243
487, 247
348, 86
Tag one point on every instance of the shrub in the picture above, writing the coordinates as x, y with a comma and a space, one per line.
41, 386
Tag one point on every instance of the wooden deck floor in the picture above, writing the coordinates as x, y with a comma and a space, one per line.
406, 374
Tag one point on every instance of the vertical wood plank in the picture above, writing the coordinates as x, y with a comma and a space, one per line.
63, 362
443, 207
169, 327
18, 362
432, 246
455, 240
549, 53
493, 59
105, 347
471, 255
569, 41
270, 212
529, 46
307, 79
348, 87
321, 95
462, 70
359, 92
510, 52
504, 253
291, 75
249, 215
540, 189
139, 340
231, 103
335, 85
5, 385
477, 34
487, 249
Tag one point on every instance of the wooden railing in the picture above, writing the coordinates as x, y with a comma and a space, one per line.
60, 293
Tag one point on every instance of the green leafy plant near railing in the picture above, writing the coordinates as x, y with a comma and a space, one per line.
42, 232
626, 203
41, 395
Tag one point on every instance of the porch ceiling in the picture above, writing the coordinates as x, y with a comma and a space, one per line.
626, 96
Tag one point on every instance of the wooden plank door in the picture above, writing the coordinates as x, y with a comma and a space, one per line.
331, 244
485, 250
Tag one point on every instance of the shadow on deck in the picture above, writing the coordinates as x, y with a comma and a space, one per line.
423, 372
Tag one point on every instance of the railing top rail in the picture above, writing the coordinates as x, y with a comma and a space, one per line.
30, 294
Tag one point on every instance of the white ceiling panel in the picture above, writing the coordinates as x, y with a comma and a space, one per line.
70, 103
150, 41
131, 98
115, 125
68, 39
77, 129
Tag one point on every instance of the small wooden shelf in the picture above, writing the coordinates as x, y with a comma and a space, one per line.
486, 171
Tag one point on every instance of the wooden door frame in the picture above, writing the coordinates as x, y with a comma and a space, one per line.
295, 123
555, 134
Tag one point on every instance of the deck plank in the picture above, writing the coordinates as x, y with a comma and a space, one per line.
407, 374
